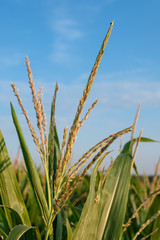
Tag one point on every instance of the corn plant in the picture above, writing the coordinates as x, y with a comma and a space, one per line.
103, 214
143, 208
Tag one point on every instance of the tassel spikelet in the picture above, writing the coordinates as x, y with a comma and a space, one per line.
41, 143
74, 129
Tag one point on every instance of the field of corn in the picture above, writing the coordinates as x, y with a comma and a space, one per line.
62, 202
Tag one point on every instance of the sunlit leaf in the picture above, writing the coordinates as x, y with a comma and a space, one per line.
9, 188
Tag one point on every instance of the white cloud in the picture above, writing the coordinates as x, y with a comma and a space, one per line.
66, 32
129, 94
113, 94
60, 57
67, 28
61, 52
12, 60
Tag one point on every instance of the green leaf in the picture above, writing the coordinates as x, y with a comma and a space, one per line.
2, 233
59, 228
75, 214
32, 171
85, 220
16, 218
104, 219
68, 226
9, 188
145, 139
4, 227
127, 145
69, 230
53, 144
112, 206
24, 232
154, 208
54, 149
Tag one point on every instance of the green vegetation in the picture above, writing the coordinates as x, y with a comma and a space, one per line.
62, 204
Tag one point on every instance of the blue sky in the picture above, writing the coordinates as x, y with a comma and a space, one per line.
62, 39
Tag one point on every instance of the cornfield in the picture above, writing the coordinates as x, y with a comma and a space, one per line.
62, 203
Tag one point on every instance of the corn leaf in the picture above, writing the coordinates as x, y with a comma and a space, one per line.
75, 214
4, 227
116, 185
143, 139
16, 219
9, 189
68, 226
85, 220
54, 149
154, 208
3, 234
53, 144
32, 171
24, 232
69, 230
104, 219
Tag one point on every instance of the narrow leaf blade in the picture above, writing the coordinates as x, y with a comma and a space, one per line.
154, 208
24, 232
104, 219
32, 171
9, 188
86, 219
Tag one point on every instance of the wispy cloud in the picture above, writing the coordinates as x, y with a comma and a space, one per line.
129, 94
67, 28
11, 60
113, 94
66, 32
127, 89
61, 53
